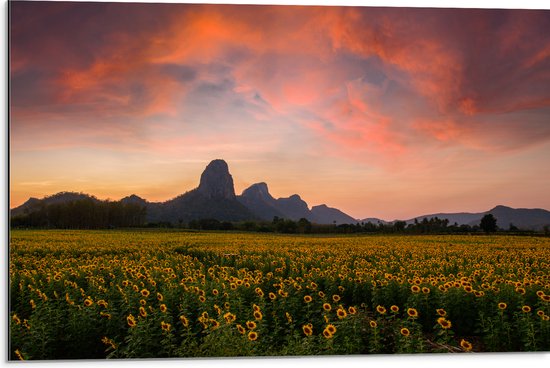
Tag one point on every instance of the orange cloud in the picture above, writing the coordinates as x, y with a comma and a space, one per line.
310, 66
432, 66
444, 130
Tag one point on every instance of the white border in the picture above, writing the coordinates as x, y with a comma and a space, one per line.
409, 361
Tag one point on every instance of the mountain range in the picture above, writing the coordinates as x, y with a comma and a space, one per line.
215, 198
522, 218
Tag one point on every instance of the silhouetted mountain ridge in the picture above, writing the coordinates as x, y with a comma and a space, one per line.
33, 204
258, 199
522, 218
323, 214
215, 198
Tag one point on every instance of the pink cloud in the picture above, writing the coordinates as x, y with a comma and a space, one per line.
306, 64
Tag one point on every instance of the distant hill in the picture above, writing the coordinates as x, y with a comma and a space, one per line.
33, 204
323, 214
68, 210
461, 218
134, 199
258, 200
195, 205
294, 207
214, 198
522, 218
373, 220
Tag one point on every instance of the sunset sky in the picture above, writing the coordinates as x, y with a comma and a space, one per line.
380, 112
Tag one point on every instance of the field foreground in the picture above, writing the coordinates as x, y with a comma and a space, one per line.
153, 294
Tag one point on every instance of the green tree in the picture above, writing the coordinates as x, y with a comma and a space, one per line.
488, 223
304, 226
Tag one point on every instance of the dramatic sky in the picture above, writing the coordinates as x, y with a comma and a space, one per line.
380, 112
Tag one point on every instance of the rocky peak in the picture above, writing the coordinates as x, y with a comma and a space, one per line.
133, 199
258, 190
293, 207
294, 200
31, 201
320, 207
216, 181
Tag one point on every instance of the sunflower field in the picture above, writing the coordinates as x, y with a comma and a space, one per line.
155, 294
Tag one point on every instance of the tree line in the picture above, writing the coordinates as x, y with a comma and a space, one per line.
434, 225
82, 214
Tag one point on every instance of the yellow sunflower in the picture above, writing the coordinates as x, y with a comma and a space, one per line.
184, 321
380, 309
413, 313
229, 317
308, 330
444, 323
341, 313
142, 312
165, 326
250, 325
215, 324
131, 321
465, 345
252, 336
